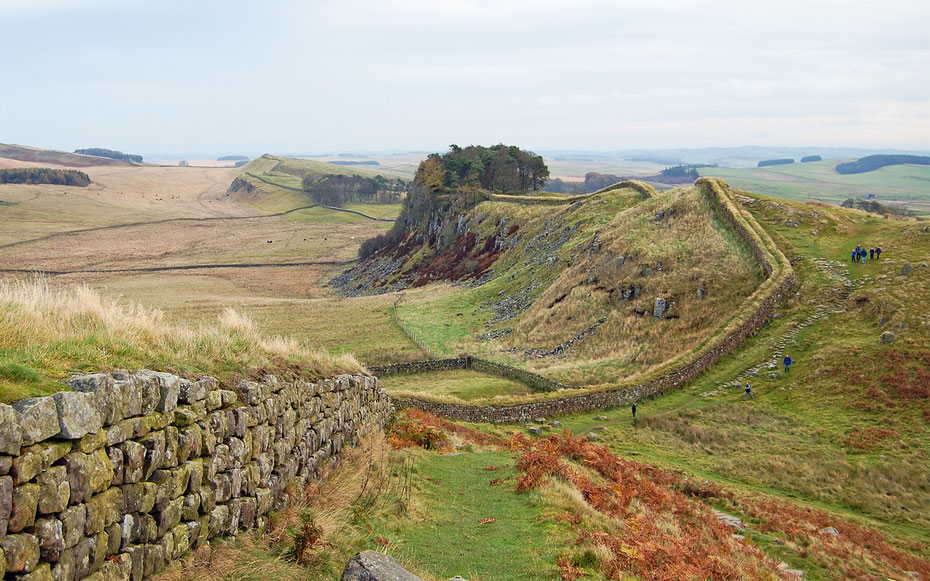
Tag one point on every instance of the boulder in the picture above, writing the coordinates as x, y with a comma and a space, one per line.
38, 417
887, 338
373, 566
660, 307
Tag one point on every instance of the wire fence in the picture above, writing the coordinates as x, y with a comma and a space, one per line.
410, 334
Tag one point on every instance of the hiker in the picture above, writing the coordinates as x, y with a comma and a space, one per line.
863, 257
858, 251
634, 411
871, 254
878, 253
748, 392
852, 256
787, 363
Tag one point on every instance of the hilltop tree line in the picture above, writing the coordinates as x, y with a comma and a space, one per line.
112, 154
873, 162
44, 175
503, 168
449, 184
339, 189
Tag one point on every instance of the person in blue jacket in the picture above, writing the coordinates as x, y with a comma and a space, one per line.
748, 392
634, 411
787, 363
853, 256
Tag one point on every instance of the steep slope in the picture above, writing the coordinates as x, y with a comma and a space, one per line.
590, 290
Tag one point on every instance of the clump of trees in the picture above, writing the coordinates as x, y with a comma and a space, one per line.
781, 161
504, 168
112, 154
808, 158
44, 175
339, 189
873, 162
681, 172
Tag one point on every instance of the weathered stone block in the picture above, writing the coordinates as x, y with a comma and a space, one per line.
191, 507
21, 552
11, 431
63, 570
182, 542
104, 509
81, 553
88, 474
120, 432
26, 466
38, 417
154, 453
114, 538
55, 490
51, 538
91, 442
72, 524
184, 417
171, 447
116, 457
97, 550
25, 503
169, 387
77, 414
42, 572
133, 461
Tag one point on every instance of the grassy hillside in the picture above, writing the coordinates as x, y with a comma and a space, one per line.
819, 181
52, 157
277, 182
570, 290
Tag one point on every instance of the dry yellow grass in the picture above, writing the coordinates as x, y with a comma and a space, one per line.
47, 332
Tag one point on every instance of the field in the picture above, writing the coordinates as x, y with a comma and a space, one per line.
170, 238
906, 185
460, 384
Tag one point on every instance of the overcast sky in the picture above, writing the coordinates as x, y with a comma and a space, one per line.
347, 75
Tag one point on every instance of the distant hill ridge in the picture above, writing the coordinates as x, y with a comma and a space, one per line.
110, 153
874, 162
54, 157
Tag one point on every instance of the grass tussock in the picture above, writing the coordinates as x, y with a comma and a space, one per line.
48, 332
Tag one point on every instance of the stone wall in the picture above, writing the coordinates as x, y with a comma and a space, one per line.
533, 380
761, 305
128, 471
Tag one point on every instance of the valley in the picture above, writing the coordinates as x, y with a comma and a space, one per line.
564, 287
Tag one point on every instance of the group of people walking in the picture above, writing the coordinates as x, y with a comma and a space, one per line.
860, 254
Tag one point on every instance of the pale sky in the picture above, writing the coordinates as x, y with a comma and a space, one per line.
349, 75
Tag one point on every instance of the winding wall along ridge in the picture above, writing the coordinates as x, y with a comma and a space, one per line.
779, 280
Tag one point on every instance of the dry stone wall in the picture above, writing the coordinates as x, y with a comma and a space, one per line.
533, 380
128, 471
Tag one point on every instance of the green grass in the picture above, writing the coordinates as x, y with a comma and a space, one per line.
819, 181
446, 537
464, 384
